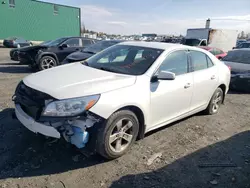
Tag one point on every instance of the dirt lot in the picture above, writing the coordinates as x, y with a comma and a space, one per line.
29, 160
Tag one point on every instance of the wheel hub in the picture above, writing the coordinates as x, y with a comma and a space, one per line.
48, 63
217, 101
121, 135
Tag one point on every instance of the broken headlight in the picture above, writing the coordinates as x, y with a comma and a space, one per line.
70, 107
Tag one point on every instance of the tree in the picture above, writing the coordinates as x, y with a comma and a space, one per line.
242, 35
83, 30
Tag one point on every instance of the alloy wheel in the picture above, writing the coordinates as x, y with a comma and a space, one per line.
217, 101
48, 63
121, 135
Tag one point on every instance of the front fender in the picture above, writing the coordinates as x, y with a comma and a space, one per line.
40, 55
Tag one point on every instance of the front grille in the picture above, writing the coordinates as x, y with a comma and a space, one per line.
31, 100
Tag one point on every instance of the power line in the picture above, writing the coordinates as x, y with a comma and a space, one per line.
232, 19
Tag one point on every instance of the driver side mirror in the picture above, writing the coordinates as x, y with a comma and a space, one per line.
64, 46
164, 75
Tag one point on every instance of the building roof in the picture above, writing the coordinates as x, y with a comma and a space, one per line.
157, 45
39, 1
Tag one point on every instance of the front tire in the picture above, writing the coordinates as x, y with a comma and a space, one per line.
215, 102
47, 62
117, 135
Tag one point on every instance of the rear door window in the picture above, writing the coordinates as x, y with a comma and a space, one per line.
86, 42
200, 61
73, 42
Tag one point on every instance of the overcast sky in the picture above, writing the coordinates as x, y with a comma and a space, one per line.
161, 16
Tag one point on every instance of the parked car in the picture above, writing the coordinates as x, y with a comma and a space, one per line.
121, 93
239, 61
90, 51
15, 42
14, 52
52, 54
243, 45
215, 51
239, 41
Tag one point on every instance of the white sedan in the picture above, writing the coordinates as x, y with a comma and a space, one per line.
121, 93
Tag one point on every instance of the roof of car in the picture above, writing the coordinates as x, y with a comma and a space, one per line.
68, 37
113, 40
157, 45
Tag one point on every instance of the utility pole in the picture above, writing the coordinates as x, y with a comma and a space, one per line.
207, 26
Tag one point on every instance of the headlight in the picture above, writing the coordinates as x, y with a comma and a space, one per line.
70, 107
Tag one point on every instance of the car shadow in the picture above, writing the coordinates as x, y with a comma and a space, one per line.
25, 154
15, 69
223, 164
12, 63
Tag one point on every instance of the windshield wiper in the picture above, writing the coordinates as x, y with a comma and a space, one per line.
108, 69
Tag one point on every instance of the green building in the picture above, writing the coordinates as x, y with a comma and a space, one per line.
38, 21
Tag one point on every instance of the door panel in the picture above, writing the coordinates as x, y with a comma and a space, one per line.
171, 98
205, 79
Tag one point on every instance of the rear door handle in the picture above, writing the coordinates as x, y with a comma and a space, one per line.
213, 77
188, 85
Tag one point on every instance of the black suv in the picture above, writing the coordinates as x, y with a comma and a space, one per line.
53, 53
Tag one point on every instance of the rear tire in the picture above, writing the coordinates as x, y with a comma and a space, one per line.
117, 134
215, 102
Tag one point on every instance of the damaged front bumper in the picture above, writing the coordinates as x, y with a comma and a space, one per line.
34, 126
73, 130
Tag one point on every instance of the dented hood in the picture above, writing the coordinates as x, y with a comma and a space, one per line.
76, 80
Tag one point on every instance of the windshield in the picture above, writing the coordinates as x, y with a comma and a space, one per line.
56, 42
11, 38
45, 42
238, 56
192, 42
125, 59
99, 46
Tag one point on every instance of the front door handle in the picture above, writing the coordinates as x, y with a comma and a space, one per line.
188, 85
213, 77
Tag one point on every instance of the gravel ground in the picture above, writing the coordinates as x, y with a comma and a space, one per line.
177, 155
